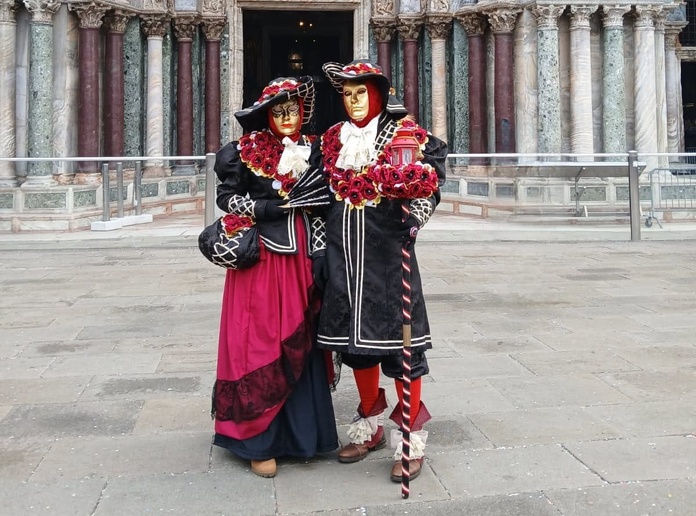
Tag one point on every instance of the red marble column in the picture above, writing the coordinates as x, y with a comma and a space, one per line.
90, 17
475, 25
212, 29
384, 33
114, 85
409, 30
184, 29
503, 23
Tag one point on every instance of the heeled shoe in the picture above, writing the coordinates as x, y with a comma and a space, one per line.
264, 468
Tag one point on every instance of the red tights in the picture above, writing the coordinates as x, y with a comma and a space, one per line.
367, 381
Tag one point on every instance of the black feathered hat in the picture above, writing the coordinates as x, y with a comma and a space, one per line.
282, 89
362, 70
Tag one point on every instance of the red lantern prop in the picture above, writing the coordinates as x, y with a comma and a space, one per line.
405, 147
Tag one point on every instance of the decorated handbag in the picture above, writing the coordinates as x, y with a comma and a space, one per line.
231, 242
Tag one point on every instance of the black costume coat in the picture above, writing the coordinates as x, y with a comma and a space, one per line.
362, 307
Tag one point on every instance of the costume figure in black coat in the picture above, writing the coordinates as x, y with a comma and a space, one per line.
361, 316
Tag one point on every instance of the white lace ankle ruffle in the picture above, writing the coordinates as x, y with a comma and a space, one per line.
417, 444
363, 428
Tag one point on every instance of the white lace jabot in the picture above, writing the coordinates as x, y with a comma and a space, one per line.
358, 145
294, 158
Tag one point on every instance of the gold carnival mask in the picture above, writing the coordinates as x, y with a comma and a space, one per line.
356, 100
286, 118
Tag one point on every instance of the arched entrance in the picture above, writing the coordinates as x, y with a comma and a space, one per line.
295, 43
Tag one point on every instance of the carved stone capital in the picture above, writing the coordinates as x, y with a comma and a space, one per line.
580, 16
213, 28
213, 7
155, 25
502, 21
116, 21
7, 11
384, 8
547, 16
185, 27
672, 31
91, 15
42, 10
474, 23
660, 18
613, 15
645, 17
409, 27
383, 29
439, 25
438, 6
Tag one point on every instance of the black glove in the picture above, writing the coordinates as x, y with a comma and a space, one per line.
320, 270
407, 232
270, 210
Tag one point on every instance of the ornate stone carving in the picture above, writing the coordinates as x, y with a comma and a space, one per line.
155, 5
547, 16
502, 21
213, 6
185, 27
439, 6
213, 28
580, 15
410, 6
155, 25
672, 30
644, 15
117, 21
409, 27
474, 23
91, 15
384, 8
383, 29
42, 10
7, 11
439, 25
613, 15
660, 18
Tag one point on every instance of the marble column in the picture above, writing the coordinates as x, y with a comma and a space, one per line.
409, 29
383, 30
212, 30
439, 26
582, 129
660, 85
184, 29
8, 148
475, 26
154, 27
644, 70
548, 78
89, 58
502, 24
40, 115
613, 89
114, 84
672, 88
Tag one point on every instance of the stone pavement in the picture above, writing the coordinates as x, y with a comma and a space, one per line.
562, 379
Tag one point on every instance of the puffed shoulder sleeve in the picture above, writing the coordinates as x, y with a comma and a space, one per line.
233, 186
435, 154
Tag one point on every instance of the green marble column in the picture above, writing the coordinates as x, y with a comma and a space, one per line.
613, 89
425, 69
134, 72
458, 99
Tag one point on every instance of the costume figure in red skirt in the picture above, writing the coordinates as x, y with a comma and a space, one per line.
361, 316
272, 395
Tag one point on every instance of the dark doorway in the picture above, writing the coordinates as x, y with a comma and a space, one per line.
688, 72
295, 43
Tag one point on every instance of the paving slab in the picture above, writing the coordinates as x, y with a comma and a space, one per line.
179, 414
126, 387
651, 419
108, 364
673, 497
19, 458
577, 361
16, 367
42, 390
653, 385
65, 497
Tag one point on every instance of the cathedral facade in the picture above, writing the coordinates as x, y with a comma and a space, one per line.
163, 78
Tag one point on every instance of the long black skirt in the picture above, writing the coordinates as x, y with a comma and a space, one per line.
304, 427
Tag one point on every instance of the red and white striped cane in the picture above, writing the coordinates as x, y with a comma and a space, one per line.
406, 366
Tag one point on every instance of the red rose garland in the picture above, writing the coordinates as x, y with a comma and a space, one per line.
381, 178
233, 224
261, 151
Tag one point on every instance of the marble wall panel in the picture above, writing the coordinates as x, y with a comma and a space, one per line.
6, 201
629, 74
134, 72
22, 89
458, 88
525, 73
564, 76
8, 80
596, 59
613, 96
40, 120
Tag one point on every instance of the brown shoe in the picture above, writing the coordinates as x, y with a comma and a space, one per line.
353, 452
264, 468
414, 469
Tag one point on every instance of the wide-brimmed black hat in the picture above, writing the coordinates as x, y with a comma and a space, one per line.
362, 70
282, 89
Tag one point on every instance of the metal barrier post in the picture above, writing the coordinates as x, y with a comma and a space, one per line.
106, 194
138, 188
119, 189
634, 195
209, 189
